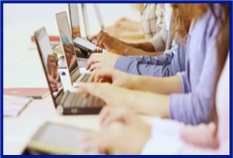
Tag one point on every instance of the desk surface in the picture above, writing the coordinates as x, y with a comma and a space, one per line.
22, 68
17, 131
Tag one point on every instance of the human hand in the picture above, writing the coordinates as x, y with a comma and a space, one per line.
110, 43
98, 50
125, 138
123, 115
112, 76
110, 94
201, 135
97, 60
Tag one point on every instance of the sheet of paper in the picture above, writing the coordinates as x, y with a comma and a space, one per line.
14, 105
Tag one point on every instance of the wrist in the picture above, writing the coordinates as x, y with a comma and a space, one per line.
126, 50
132, 81
130, 100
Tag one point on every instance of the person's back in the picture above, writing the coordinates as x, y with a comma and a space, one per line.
151, 19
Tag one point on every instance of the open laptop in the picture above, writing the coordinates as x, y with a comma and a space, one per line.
84, 45
99, 16
75, 19
66, 102
65, 34
83, 42
70, 59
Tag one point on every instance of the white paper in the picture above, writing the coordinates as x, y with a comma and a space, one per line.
13, 105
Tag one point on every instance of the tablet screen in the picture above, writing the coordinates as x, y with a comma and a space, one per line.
60, 135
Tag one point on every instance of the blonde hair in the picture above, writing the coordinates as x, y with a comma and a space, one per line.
183, 14
138, 7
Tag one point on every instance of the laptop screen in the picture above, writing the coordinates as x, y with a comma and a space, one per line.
67, 42
48, 59
74, 20
99, 16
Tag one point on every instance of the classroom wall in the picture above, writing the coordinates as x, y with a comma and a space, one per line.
22, 20
36, 15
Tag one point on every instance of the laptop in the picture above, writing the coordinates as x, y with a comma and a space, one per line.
99, 16
83, 42
75, 22
85, 46
66, 102
70, 59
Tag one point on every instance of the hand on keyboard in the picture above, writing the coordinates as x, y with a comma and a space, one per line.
102, 60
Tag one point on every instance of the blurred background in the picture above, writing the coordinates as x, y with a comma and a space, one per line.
22, 20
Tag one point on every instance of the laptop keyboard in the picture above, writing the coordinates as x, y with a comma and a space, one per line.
81, 77
69, 99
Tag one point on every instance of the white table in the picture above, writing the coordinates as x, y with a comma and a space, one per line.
22, 68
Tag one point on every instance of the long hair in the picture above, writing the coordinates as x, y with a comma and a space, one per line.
182, 13
139, 7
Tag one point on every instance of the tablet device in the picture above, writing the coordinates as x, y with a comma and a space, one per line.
55, 138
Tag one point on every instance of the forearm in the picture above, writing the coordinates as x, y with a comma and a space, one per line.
146, 46
129, 50
166, 85
159, 66
149, 103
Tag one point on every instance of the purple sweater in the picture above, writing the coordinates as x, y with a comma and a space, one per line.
196, 104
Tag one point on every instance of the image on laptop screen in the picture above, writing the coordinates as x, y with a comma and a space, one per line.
65, 101
48, 59
66, 41
74, 20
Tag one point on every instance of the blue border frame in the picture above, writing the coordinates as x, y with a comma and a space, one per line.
116, 1
1, 78
111, 1
230, 77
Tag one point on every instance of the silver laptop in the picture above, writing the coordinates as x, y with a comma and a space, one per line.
66, 102
70, 59
82, 44
99, 16
75, 22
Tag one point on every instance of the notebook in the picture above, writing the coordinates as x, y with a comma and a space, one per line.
66, 102
36, 93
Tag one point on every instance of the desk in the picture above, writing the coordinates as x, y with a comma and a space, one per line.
22, 68
17, 131
28, 72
